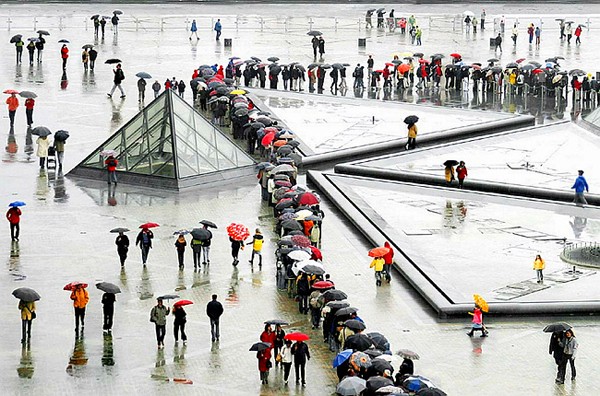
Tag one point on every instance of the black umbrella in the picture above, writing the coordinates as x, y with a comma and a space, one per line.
325, 66
63, 41
283, 150
355, 325
559, 57
291, 225
26, 294
27, 94
380, 365
201, 234
43, 32
373, 353
527, 67
313, 65
223, 90
276, 322
379, 341
61, 135
314, 33
228, 81
208, 223
117, 12
112, 61
376, 382
260, 346
293, 143
256, 59
108, 287
450, 163
334, 295
143, 75
16, 38
87, 46
241, 112
560, 326
337, 66
493, 60
41, 131
273, 59
536, 64
337, 304
119, 229
96, 16
298, 232
430, 392
418, 54
257, 125
411, 119
577, 72
168, 297
358, 342
380, 9
512, 65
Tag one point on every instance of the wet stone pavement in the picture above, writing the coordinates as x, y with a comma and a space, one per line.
65, 238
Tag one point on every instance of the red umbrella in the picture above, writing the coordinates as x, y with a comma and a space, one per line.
476, 67
389, 64
316, 253
271, 129
520, 60
378, 71
296, 337
279, 143
308, 198
149, 225
11, 91
73, 285
181, 303
403, 68
268, 139
322, 285
301, 240
423, 61
537, 71
455, 55
212, 93
238, 232
379, 251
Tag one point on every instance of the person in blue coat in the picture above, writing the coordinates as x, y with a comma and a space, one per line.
194, 30
218, 28
580, 186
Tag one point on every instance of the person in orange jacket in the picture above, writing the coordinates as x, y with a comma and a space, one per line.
13, 104
80, 299
64, 54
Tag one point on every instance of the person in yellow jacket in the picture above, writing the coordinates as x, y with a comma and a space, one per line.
27, 315
80, 299
538, 265
257, 244
449, 174
412, 137
377, 264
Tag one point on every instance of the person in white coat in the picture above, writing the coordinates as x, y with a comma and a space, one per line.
286, 360
42, 150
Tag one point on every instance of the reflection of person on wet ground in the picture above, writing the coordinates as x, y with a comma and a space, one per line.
578, 225
108, 351
26, 368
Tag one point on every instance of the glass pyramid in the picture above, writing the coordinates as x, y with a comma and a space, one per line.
168, 139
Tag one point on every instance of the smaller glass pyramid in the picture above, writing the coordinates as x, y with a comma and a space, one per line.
167, 139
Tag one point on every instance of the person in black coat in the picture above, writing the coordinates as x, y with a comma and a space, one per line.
122, 243
262, 76
303, 289
235, 250
214, 310
108, 310
555, 349
315, 45
407, 367
321, 46
179, 323
144, 239
93, 54
285, 76
334, 74
301, 356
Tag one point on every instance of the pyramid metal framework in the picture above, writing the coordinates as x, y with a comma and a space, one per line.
169, 144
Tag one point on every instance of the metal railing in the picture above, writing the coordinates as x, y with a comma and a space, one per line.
584, 253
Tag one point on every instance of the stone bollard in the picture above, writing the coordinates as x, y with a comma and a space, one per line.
228, 42
362, 42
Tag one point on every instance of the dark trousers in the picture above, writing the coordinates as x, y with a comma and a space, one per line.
11, 116
42, 162
299, 369
19, 54
26, 329
14, 231
160, 333
179, 327
29, 113
460, 182
303, 303
214, 329
92, 64
411, 144
64, 63
180, 254
562, 367
108, 318
287, 367
196, 249
315, 316
145, 250
122, 256
79, 317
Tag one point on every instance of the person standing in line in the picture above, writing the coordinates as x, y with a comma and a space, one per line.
64, 54
303, 290
580, 186
321, 47
31, 49
194, 30
108, 311
214, 310
538, 265
29, 104
122, 243
315, 303
180, 244
156, 88
412, 137
141, 83
257, 244
43, 144
301, 356
111, 166
13, 103
206, 247
179, 323
144, 239
461, 173
286, 360
279, 341
158, 316
315, 46
13, 215
59, 148
19, 48
482, 18
570, 346
218, 28
27, 309
80, 299
119, 76
102, 26
85, 59
93, 54
39, 44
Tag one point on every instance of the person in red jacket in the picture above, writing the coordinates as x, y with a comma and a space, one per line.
461, 173
64, 53
29, 103
111, 166
388, 260
14, 217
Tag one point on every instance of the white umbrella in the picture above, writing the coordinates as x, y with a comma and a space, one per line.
299, 255
469, 13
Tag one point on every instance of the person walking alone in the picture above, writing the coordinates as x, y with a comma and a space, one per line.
570, 346
119, 76
13, 215
477, 322
27, 309
218, 28
64, 54
39, 44
144, 240
578, 35
412, 136
80, 299
141, 83
158, 316
13, 103
538, 265
19, 48
301, 356
108, 311
122, 243
257, 244
214, 310
194, 30
179, 323
180, 244
580, 186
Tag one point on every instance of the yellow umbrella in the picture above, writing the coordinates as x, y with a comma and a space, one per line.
238, 92
481, 303
403, 54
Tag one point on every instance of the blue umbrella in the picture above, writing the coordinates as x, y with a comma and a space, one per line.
342, 357
17, 203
